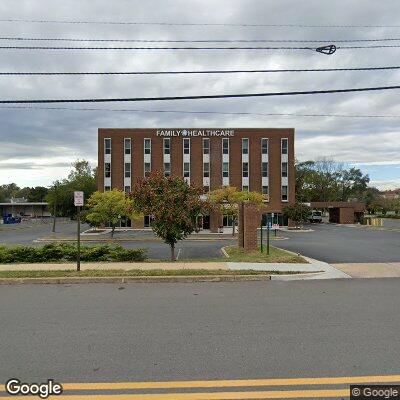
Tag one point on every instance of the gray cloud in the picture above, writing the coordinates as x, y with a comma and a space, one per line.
45, 135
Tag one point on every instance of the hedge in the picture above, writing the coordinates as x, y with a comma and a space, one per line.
61, 252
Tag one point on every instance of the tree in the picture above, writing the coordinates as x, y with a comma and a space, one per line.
108, 208
82, 177
173, 205
327, 180
8, 191
297, 212
228, 199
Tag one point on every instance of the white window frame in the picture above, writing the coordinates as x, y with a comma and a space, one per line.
127, 140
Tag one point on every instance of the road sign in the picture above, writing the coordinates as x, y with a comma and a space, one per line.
275, 226
78, 199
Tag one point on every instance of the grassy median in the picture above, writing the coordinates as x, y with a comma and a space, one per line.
133, 272
236, 254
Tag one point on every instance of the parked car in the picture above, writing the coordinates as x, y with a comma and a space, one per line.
316, 216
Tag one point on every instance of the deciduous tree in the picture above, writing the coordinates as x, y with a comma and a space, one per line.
108, 208
172, 204
228, 198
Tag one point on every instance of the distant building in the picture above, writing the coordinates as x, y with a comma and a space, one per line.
254, 159
391, 194
24, 208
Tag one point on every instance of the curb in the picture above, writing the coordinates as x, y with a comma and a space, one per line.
136, 279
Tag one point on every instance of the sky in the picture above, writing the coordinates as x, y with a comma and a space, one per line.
37, 146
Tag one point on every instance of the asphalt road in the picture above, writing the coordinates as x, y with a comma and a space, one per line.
157, 332
343, 244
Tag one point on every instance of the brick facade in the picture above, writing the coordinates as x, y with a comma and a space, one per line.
216, 158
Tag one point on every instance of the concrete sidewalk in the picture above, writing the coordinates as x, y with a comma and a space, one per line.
312, 270
370, 270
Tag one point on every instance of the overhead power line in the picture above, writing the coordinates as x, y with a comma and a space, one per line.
380, 46
173, 23
198, 97
196, 112
232, 71
156, 48
19, 38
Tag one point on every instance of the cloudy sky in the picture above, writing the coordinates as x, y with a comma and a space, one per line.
37, 146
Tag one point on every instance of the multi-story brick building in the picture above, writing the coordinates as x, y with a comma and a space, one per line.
255, 159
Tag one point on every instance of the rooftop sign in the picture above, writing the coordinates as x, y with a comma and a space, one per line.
196, 132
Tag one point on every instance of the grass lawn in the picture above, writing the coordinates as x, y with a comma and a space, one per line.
276, 255
132, 272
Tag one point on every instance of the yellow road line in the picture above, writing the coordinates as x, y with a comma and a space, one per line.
229, 383
206, 396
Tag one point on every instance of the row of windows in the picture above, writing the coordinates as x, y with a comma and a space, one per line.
186, 146
206, 169
264, 190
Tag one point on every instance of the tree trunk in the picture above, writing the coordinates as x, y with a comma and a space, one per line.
54, 218
172, 251
112, 231
233, 226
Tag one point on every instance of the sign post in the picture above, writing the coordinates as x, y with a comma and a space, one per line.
261, 231
78, 202
268, 228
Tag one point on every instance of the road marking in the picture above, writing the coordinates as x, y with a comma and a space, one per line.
208, 396
229, 383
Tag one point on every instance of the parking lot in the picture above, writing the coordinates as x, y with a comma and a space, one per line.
326, 242
32, 233
346, 244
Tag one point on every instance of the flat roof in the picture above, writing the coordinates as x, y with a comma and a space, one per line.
25, 204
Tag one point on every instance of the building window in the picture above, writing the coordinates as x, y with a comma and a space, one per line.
127, 146
186, 170
107, 170
186, 146
147, 168
245, 146
107, 188
284, 193
225, 146
146, 221
245, 170
206, 189
245, 188
107, 146
167, 169
127, 170
167, 146
284, 170
127, 189
206, 146
225, 170
265, 190
206, 170
264, 146
264, 168
227, 221
147, 146
284, 146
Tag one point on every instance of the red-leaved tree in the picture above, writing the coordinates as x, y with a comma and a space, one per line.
172, 204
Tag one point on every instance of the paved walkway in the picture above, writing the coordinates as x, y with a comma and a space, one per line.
313, 270
370, 270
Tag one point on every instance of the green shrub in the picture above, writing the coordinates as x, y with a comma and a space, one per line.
63, 252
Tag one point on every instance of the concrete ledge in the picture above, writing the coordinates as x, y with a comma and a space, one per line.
136, 279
